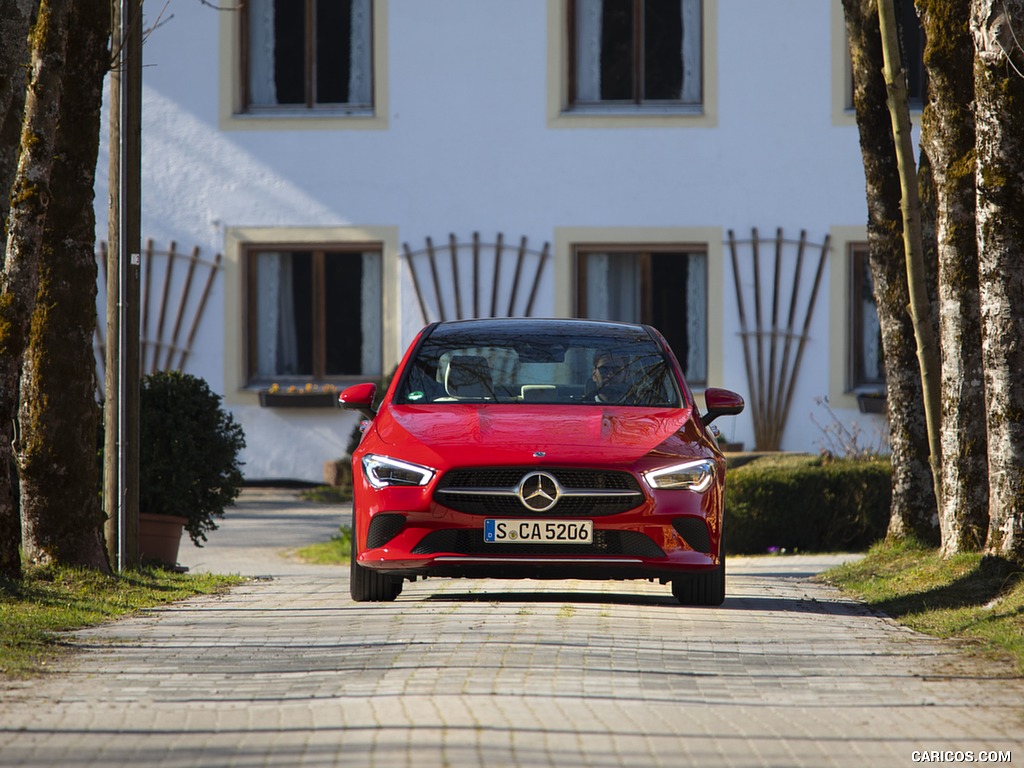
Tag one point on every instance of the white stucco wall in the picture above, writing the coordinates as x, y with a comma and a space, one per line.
468, 146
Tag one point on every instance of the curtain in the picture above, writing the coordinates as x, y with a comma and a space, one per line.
262, 89
371, 292
276, 334
360, 80
695, 363
691, 53
588, 50
613, 287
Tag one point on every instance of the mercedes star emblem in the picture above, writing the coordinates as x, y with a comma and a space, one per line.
538, 491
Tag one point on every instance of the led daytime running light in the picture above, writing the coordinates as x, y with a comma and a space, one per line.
384, 472
693, 475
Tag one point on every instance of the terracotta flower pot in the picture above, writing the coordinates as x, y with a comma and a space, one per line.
159, 538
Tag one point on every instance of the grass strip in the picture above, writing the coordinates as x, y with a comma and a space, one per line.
52, 600
337, 551
969, 597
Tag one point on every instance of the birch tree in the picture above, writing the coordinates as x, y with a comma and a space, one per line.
997, 27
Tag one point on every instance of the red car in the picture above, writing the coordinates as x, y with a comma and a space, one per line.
529, 448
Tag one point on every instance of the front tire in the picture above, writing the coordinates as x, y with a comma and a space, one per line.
369, 586
706, 588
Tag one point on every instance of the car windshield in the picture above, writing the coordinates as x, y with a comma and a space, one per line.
537, 363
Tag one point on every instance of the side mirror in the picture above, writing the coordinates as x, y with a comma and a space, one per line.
359, 397
721, 402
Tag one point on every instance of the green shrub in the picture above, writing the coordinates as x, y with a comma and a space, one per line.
806, 503
188, 452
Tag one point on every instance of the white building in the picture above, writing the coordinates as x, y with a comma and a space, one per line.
317, 147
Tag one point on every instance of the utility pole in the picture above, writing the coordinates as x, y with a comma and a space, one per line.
121, 409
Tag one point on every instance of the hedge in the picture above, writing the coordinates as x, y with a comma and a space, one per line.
805, 503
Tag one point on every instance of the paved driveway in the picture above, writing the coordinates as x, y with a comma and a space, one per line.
287, 671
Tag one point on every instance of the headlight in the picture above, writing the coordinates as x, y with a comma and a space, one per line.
693, 475
383, 472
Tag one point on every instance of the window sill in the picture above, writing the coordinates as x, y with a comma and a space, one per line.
298, 399
303, 120
635, 110
636, 117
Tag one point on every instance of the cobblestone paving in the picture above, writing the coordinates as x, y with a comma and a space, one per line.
288, 671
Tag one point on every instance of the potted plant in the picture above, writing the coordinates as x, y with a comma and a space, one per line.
188, 459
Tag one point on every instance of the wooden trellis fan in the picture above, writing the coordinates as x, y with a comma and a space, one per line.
169, 285
772, 371
475, 279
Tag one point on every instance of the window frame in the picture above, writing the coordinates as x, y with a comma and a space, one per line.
644, 253
637, 69
239, 389
319, 253
561, 113
234, 115
710, 239
858, 380
843, 111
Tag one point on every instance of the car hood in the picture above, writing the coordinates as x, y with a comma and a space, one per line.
467, 434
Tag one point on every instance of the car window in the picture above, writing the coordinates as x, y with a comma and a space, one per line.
541, 369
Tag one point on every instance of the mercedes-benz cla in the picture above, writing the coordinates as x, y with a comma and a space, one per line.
528, 448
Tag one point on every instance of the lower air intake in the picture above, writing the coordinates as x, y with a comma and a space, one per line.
383, 528
694, 532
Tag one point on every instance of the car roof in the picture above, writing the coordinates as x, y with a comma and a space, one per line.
539, 325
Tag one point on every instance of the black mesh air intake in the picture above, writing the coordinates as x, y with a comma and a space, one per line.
694, 532
383, 528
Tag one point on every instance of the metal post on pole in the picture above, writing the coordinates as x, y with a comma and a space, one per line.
121, 411
131, 250
111, 406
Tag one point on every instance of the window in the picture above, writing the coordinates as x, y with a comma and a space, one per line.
867, 370
635, 53
912, 47
912, 42
665, 287
314, 313
307, 55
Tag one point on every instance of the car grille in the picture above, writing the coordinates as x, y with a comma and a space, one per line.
493, 491
470, 541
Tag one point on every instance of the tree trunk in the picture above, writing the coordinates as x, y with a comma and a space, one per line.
947, 133
999, 117
61, 515
19, 279
14, 56
14, 59
913, 510
910, 206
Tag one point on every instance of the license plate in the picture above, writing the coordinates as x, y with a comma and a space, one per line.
539, 531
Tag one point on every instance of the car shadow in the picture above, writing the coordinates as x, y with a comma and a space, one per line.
775, 604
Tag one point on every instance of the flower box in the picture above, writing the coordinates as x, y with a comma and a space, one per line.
299, 399
871, 402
